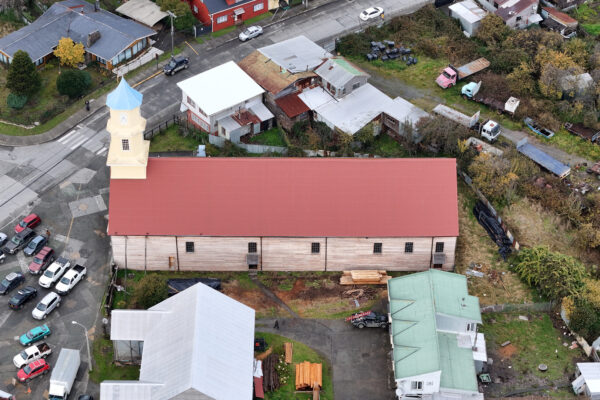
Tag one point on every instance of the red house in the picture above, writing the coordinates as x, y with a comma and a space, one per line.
220, 14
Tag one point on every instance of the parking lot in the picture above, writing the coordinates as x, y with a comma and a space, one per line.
75, 214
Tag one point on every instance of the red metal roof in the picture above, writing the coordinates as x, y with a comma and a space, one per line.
565, 19
341, 197
291, 105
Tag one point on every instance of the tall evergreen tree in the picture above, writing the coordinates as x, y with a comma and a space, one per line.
23, 78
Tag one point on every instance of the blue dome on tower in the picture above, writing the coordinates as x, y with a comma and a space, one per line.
124, 97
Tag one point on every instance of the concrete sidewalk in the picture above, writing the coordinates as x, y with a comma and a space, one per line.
98, 104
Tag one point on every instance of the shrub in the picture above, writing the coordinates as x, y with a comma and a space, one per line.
298, 133
555, 275
149, 291
295, 151
73, 83
16, 101
585, 319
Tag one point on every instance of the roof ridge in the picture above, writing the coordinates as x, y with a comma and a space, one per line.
437, 343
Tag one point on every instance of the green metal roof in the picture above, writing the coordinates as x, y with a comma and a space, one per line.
418, 347
347, 66
457, 364
452, 296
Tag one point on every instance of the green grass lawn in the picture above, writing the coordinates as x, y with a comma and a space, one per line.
258, 18
536, 341
575, 145
104, 369
592, 29
272, 137
301, 353
385, 146
223, 31
171, 140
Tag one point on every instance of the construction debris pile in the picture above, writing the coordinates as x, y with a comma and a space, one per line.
309, 375
493, 228
270, 375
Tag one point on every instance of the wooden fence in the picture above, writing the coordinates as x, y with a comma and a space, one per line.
150, 133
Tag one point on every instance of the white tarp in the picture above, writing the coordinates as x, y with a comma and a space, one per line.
144, 11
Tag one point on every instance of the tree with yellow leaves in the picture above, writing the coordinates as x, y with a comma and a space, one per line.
69, 53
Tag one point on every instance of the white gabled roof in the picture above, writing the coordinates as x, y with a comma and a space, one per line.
296, 54
144, 11
220, 88
468, 10
201, 341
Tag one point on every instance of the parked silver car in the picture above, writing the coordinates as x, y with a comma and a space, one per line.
250, 33
46, 306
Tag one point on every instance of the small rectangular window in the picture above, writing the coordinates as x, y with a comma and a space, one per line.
252, 247
408, 247
471, 327
222, 19
195, 10
377, 247
439, 247
356, 85
416, 385
189, 247
258, 7
125, 144
191, 102
315, 248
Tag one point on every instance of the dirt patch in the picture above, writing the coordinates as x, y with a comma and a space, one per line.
253, 298
507, 351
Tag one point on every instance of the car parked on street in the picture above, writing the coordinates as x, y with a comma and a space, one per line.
41, 261
46, 306
32, 353
35, 335
71, 278
23, 296
176, 64
54, 272
33, 370
11, 281
3, 238
2, 259
370, 13
30, 221
250, 33
85, 397
36, 244
19, 241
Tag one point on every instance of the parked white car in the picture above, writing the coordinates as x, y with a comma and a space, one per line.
54, 272
371, 13
46, 306
30, 354
250, 33
70, 279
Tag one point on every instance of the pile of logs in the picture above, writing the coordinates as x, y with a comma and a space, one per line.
364, 277
270, 375
309, 375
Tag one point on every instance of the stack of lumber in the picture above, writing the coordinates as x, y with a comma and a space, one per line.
309, 375
364, 277
270, 375
289, 347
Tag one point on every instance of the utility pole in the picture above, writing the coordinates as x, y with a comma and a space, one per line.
172, 31
87, 342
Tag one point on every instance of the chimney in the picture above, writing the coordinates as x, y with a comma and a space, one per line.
97, 5
92, 38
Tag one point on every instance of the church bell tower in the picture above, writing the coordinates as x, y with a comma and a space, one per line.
128, 151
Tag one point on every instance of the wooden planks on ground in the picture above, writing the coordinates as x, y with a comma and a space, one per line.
289, 348
364, 277
309, 375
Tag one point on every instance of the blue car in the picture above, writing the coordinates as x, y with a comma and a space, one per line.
34, 335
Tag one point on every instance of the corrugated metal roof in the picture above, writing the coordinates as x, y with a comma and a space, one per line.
288, 197
261, 111
591, 375
220, 88
418, 348
296, 54
75, 19
468, 10
144, 11
291, 105
509, 8
203, 343
133, 324
543, 159
268, 74
129, 390
338, 71
559, 16
316, 97
404, 111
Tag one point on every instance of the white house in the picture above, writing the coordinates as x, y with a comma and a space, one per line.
197, 344
517, 14
588, 380
437, 351
469, 14
225, 101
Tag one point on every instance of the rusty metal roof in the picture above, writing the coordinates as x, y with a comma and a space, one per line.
268, 74
291, 105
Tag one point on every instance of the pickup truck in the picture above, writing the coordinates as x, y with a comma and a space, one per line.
368, 319
31, 354
450, 75
472, 91
54, 272
70, 279
488, 129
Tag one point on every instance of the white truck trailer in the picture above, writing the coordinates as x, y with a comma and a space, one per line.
63, 374
488, 129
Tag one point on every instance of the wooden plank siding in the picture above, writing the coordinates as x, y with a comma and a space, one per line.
213, 253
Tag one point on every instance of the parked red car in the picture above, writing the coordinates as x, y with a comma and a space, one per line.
41, 261
33, 370
30, 221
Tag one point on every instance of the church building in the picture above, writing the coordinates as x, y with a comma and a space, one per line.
277, 214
